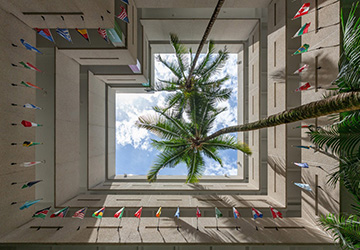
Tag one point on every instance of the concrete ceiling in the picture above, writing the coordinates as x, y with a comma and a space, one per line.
201, 3
223, 29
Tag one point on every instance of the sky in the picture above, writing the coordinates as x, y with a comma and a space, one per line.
134, 153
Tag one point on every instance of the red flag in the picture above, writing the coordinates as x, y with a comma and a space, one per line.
303, 87
303, 10
138, 213
275, 213
103, 34
198, 213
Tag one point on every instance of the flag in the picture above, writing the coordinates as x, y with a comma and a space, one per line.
29, 47
41, 213
303, 186
103, 34
198, 213
303, 10
158, 213
306, 86
302, 49
30, 143
218, 213
302, 165
275, 213
138, 213
61, 213
177, 213
99, 213
30, 85
30, 163
306, 147
80, 214
64, 33
119, 214
30, 184
305, 126
305, 67
303, 30
45, 33
31, 106
28, 124
28, 204
29, 66
125, 1
123, 16
256, 213
236, 213
83, 33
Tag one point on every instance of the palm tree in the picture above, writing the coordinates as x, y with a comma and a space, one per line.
180, 138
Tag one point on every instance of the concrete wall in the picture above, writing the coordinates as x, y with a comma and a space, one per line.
111, 167
97, 130
67, 128
12, 30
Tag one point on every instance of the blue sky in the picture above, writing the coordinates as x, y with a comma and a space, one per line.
135, 155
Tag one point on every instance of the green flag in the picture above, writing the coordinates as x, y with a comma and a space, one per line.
218, 213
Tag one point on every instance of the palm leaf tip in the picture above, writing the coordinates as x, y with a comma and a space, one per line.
245, 148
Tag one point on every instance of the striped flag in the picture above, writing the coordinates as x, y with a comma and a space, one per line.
103, 34
303, 186
83, 33
80, 214
303, 68
41, 213
123, 16
31, 106
306, 86
119, 214
64, 33
29, 47
177, 213
303, 30
61, 213
303, 10
29, 66
30, 184
30, 143
28, 124
236, 213
99, 213
138, 213
30, 163
158, 213
302, 49
256, 213
45, 33
275, 213
302, 165
30, 85
198, 213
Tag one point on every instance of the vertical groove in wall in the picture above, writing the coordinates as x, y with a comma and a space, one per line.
274, 94
275, 173
316, 72
252, 73
316, 195
274, 14
274, 136
253, 168
55, 205
275, 54
316, 16
133, 25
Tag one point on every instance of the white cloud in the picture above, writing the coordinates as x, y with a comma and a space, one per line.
214, 168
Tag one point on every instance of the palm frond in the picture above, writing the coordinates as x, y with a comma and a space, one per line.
158, 126
212, 153
175, 69
228, 142
195, 167
180, 53
206, 60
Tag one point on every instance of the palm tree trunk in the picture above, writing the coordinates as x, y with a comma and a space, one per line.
340, 103
204, 38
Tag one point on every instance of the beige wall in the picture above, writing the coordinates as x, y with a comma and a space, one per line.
111, 133
67, 128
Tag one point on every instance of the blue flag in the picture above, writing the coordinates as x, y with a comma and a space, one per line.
28, 204
125, 1
303, 186
177, 214
64, 33
29, 47
302, 165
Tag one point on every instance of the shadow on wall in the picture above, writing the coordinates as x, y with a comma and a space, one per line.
279, 163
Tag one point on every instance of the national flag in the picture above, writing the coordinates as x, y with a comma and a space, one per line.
123, 16
31, 106
303, 30
306, 86
28, 124
303, 186
125, 1
83, 33
103, 34
30, 85
275, 213
30, 184
177, 213
303, 10
45, 33
302, 165
138, 213
30, 163
198, 213
256, 213
302, 49
28, 65
158, 213
29, 47
41, 213
80, 214
119, 214
305, 126
236, 213
99, 213
303, 68
64, 33
28, 204
218, 213
305, 147
30, 143
61, 213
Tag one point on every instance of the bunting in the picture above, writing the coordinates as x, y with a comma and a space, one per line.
29, 66
275, 213
123, 16
302, 49
138, 213
31, 106
218, 213
303, 186
303, 30
30, 85
41, 213
83, 33
306, 86
28, 204
30, 184
61, 213
45, 33
303, 10
302, 165
303, 68
158, 213
64, 33
29, 47
119, 214
125, 1
236, 213
30, 143
28, 124
256, 213
103, 34
198, 213
99, 213
80, 214
30, 163
177, 213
